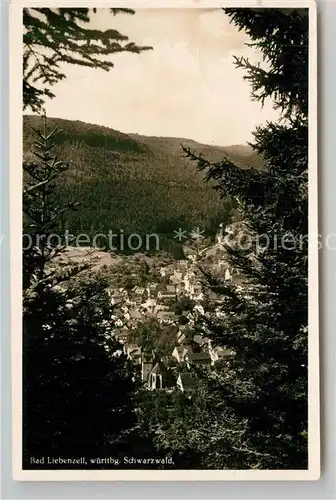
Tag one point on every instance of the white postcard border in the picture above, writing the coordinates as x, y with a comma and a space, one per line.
15, 158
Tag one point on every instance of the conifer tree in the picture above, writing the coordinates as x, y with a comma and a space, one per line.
41, 214
263, 320
56, 36
77, 386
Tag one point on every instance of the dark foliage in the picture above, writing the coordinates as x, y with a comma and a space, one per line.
77, 399
151, 336
77, 389
125, 183
265, 318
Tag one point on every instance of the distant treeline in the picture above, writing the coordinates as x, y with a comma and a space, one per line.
123, 184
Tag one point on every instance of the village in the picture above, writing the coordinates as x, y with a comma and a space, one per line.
191, 351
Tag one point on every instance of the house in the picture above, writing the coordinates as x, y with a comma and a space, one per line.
138, 295
180, 352
198, 358
188, 251
168, 294
138, 300
197, 291
117, 353
193, 289
166, 271
146, 366
135, 314
187, 382
129, 302
163, 271
116, 297
111, 291
176, 277
199, 309
169, 316
187, 314
217, 353
198, 339
149, 305
164, 295
181, 337
160, 377
160, 307
189, 280
152, 290
220, 234
122, 335
127, 316
227, 275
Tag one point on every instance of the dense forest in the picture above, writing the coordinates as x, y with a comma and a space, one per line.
134, 183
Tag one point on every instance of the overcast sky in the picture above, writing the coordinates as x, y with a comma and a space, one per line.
187, 86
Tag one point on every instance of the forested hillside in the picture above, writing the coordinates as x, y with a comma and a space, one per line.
135, 183
243, 155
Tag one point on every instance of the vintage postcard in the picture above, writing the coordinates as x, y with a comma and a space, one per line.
164, 241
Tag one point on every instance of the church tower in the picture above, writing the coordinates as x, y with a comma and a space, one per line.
220, 234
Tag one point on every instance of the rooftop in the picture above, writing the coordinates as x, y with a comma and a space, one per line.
199, 356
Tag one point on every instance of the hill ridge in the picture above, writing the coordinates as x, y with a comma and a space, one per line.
140, 187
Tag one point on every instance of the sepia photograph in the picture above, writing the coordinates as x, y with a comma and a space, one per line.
166, 203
